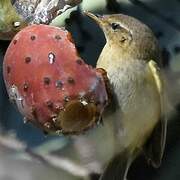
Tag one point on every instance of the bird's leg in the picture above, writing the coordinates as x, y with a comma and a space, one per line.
127, 168
118, 168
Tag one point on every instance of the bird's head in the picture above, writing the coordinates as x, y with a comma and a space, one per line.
129, 35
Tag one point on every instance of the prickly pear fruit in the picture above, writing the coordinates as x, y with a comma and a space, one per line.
50, 84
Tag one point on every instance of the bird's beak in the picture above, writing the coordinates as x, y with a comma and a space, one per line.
97, 18
101, 21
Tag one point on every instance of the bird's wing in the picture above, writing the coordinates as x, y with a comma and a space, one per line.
154, 148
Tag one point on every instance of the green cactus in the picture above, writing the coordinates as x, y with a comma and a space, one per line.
10, 21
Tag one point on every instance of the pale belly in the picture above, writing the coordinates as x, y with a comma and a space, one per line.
138, 104
137, 112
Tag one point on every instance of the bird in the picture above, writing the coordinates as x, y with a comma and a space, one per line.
135, 122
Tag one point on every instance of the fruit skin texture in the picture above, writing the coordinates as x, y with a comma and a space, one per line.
50, 84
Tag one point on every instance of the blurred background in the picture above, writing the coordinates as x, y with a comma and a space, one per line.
162, 16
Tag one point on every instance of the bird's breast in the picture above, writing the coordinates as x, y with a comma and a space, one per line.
137, 100
137, 109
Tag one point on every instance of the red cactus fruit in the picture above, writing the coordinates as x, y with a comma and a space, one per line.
50, 84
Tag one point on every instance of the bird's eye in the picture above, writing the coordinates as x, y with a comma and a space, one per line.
115, 26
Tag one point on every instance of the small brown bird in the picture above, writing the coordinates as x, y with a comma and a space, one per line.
137, 120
